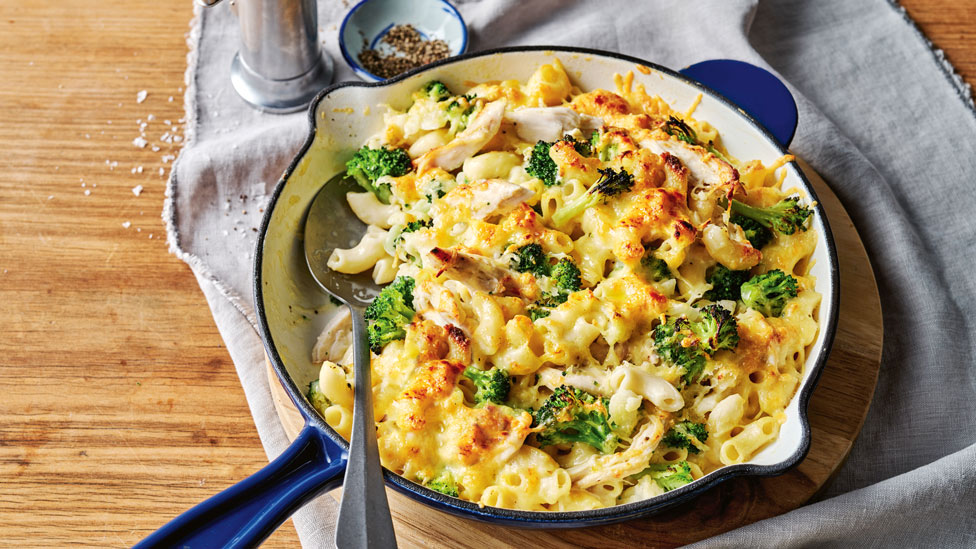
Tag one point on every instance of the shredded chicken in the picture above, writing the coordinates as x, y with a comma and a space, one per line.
335, 340
487, 198
601, 468
479, 132
730, 248
550, 123
708, 169
474, 271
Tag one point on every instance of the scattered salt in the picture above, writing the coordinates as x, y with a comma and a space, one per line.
171, 99
87, 192
141, 96
50, 197
137, 190
155, 148
126, 224
151, 117
140, 142
162, 171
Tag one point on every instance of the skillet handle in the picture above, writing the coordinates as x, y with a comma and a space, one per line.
755, 90
249, 511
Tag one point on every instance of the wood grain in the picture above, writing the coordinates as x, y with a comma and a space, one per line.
837, 410
119, 406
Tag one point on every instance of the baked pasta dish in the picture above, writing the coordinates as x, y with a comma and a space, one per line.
588, 300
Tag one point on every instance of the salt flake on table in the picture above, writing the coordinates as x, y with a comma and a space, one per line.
141, 96
87, 192
140, 142
137, 190
151, 117
126, 224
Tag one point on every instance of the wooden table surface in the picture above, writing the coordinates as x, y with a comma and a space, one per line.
119, 406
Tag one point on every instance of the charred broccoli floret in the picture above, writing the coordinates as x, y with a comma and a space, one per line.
769, 292
725, 283
368, 165
389, 313
571, 415
611, 183
679, 129
786, 216
716, 329
686, 434
490, 385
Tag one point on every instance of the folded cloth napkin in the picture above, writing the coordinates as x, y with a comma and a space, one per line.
882, 117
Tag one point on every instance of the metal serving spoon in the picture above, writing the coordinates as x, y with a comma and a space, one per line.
364, 514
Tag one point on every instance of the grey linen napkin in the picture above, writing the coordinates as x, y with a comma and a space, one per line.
882, 118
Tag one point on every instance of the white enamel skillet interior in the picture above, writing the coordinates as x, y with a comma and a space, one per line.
292, 310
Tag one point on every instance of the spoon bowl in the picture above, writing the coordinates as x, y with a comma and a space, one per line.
329, 224
364, 513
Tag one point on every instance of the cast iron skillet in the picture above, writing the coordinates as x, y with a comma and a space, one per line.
246, 513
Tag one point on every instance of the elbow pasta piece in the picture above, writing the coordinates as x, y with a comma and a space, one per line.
474, 230
370, 210
362, 256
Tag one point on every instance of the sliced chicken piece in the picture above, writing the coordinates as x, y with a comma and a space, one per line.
706, 168
479, 132
602, 468
487, 197
550, 123
729, 246
476, 272
336, 339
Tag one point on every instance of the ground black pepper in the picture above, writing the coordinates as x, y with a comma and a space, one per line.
411, 50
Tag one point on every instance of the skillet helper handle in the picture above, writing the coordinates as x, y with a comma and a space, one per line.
755, 90
249, 511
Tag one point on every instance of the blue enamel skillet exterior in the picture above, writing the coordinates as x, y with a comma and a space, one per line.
246, 513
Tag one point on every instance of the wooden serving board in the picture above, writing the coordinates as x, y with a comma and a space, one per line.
836, 411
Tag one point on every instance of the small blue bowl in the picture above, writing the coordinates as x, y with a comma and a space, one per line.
372, 19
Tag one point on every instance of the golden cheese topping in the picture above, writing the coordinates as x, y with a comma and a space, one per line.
591, 319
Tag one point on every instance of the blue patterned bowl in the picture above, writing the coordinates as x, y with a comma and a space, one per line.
368, 22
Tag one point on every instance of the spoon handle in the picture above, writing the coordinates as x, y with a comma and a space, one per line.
364, 514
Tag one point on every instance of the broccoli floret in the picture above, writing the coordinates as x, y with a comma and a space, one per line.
536, 312
317, 398
716, 329
676, 343
541, 165
604, 151
769, 292
679, 129
725, 283
445, 484
389, 313
756, 234
368, 165
415, 226
786, 216
490, 385
685, 434
436, 90
530, 258
566, 275
669, 476
459, 112
654, 268
611, 183
571, 415
687, 344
